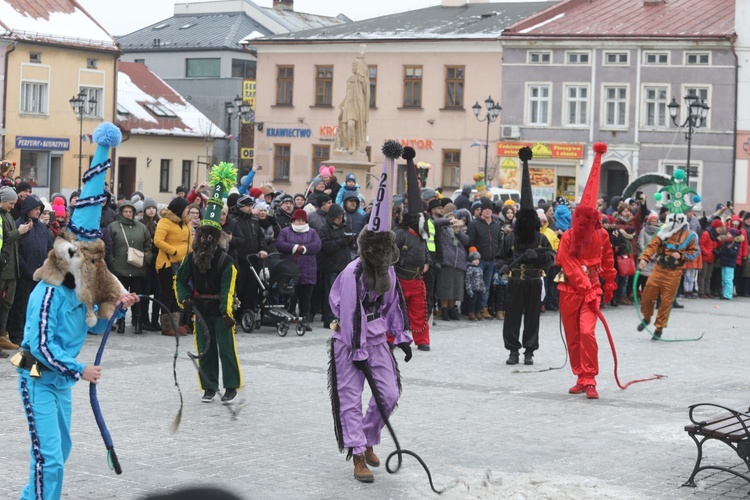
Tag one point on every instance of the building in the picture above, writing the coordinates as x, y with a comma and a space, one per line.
741, 182
51, 51
166, 141
198, 53
585, 71
427, 68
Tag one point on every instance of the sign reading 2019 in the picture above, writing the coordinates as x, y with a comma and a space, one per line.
380, 196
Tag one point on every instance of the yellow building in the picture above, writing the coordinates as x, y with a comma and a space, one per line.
53, 52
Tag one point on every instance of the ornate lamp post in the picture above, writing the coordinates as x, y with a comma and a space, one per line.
81, 107
697, 111
492, 113
242, 110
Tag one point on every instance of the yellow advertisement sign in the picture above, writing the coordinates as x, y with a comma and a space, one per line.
247, 153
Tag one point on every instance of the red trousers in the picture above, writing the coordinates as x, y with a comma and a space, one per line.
415, 295
579, 320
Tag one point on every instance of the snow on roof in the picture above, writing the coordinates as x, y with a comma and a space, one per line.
57, 20
536, 26
146, 105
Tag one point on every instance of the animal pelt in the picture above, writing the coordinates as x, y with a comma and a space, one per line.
586, 223
527, 225
206, 240
84, 260
377, 252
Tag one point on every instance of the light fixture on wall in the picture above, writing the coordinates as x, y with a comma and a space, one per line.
148, 162
431, 121
301, 119
260, 126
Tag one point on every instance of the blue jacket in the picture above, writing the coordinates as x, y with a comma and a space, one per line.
729, 251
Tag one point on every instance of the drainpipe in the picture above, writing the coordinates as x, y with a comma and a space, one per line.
732, 40
11, 48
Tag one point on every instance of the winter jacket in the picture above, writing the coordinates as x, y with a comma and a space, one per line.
11, 240
744, 250
551, 236
283, 219
563, 218
334, 255
463, 200
174, 239
730, 249
644, 238
354, 221
289, 240
412, 253
710, 245
488, 238
254, 237
238, 239
474, 280
316, 219
138, 237
453, 245
34, 247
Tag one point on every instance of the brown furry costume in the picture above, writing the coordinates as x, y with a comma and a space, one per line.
377, 252
84, 260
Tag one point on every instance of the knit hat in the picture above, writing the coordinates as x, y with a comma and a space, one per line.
244, 201
256, 192
652, 217
474, 256
149, 202
322, 199
428, 193
223, 177
299, 214
180, 189
137, 196
486, 203
335, 211
716, 223
138, 205
260, 205
284, 198
350, 177
475, 205
734, 232
542, 218
611, 219
23, 186
326, 171
46, 206
86, 218
232, 199
178, 205
7, 193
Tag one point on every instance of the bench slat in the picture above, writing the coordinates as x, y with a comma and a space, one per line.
725, 427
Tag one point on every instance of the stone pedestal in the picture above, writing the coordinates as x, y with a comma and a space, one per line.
357, 164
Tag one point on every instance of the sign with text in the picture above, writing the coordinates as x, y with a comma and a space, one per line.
542, 150
247, 153
42, 143
415, 143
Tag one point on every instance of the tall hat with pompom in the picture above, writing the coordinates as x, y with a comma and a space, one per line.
380, 219
677, 197
527, 198
88, 212
591, 191
527, 220
413, 195
222, 178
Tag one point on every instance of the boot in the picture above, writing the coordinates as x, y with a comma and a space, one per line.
485, 313
500, 315
138, 328
371, 458
166, 325
182, 331
306, 323
512, 359
453, 313
3, 354
472, 317
6, 343
150, 326
361, 472
121, 325
155, 319
444, 314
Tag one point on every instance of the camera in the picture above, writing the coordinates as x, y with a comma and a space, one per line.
349, 235
730, 203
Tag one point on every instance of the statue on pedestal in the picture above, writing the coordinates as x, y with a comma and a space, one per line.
351, 135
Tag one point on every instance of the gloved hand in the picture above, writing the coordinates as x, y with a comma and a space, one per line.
360, 365
404, 346
609, 290
504, 271
299, 250
530, 254
228, 321
187, 304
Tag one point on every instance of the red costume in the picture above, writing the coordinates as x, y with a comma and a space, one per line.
585, 256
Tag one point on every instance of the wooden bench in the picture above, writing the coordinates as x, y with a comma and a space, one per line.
730, 427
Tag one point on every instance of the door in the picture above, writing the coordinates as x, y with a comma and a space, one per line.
55, 169
126, 176
616, 178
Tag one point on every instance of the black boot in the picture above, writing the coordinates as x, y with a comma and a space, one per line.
121, 325
444, 314
138, 327
512, 359
453, 313
306, 322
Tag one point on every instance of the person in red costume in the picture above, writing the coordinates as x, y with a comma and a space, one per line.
585, 257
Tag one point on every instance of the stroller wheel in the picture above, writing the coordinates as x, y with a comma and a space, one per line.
300, 329
247, 322
282, 329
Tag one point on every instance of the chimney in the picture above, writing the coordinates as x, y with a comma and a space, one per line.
283, 4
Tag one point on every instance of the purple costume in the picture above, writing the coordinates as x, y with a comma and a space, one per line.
359, 339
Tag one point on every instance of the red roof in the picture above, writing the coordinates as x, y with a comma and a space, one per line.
630, 19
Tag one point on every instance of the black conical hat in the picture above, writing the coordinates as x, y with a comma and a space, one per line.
413, 195
527, 198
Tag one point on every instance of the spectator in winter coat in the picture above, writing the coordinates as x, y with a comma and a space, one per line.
454, 241
475, 286
710, 244
232, 237
350, 186
735, 222
300, 243
285, 211
334, 255
32, 252
486, 234
267, 224
463, 200
318, 218
730, 249
250, 253
563, 217
354, 220
299, 201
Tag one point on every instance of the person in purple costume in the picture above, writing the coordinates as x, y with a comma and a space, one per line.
369, 307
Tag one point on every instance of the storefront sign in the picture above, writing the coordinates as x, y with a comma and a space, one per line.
288, 132
327, 131
542, 150
248, 95
247, 153
42, 143
416, 143
542, 183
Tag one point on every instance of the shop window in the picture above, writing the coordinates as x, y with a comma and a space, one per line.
284, 85
203, 68
164, 176
35, 98
454, 86
321, 153
412, 86
34, 167
451, 168
187, 169
282, 156
373, 70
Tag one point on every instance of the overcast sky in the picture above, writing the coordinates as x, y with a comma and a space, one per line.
121, 17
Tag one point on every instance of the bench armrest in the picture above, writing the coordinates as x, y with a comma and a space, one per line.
741, 417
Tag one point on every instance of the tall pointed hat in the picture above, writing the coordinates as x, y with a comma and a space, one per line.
527, 198
88, 212
222, 178
413, 195
591, 191
527, 220
380, 219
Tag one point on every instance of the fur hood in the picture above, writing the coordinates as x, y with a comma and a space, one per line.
169, 215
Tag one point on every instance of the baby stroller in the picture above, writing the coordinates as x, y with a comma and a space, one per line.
276, 281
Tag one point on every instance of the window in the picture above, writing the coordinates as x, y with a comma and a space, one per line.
702, 58
323, 85
164, 176
284, 85
187, 169
696, 169
538, 105
656, 57
656, 106
35, 57
412, 86
703, 95
576, 102
577, 57
454, 86
34, 98
373, 84
539, 57
92, 63
97, 93
34, 167
616, 58
139, 61
242, 68
321, 153
159, 110
451, 168
203, 68
282, 155
615, 106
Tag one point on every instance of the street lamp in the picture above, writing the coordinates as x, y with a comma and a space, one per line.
697, 111
81, 107
493, 111
243, 111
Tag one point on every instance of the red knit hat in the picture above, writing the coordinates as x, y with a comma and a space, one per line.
256, 192
716, 223
299, 214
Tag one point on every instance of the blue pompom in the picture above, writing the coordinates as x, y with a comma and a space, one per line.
696, 198
107, 134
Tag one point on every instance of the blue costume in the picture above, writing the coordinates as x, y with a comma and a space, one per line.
54, 334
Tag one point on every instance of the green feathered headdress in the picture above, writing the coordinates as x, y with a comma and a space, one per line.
223, 177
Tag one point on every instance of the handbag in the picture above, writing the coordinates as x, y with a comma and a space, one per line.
135, 256
625, 265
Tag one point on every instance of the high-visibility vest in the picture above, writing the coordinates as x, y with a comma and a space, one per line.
431, 237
